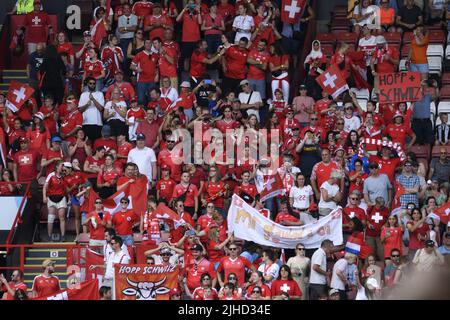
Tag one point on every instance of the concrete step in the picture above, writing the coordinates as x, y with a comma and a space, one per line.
47, 253
9, 79
14, 72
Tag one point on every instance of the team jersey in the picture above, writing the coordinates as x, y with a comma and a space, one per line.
236, 61
45, 286
110, 58
148, 63
36, 24
96, 228
254, 72
288, 286
368, 46
27, 162
123, 222
236, 266
55, 185
195, 269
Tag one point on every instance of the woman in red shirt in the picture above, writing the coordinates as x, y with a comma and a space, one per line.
94, 68
188, 193
285, 283
62, 45
214, 190
391, 236
214, 247
38, 134
6, 188
93, 165
107, 178
279, 66
418, 232
357, 177
213, 25
81, 148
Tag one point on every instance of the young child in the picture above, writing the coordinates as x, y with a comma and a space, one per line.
134, 115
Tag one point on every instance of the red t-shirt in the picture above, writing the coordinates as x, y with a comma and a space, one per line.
167, 69
93, 69
399, 133
392, 242
321, 172
110, 58
45, 286
198, 68
125, 87
15, 287
107, 143
37, 26
387, 166
165, 158
284, 216
249, 189
211, 191
108, 176
289, 286
223, 125
236, 266
165, 188
97, 233
195, 269
27, 162
254, 72
67, 48
351, 213
70, 122
123, 222
91, 161
191, 28
38, 139
77, 178
55, 185
179, 190
142, 9
265, 290
377, 218
148, 63
157, 32
414, 242
384, 66
236, 61
52, 154
123, 150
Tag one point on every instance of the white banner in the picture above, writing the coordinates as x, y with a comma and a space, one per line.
248, 224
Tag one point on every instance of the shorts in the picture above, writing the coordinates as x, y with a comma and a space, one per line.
187, 48
127, 239
75, 201
422, 68
97, 243
62, 204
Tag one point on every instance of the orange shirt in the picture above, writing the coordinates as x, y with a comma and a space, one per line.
419, 52
387, 17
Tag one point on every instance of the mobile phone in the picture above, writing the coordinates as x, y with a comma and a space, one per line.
208, 81
190, 233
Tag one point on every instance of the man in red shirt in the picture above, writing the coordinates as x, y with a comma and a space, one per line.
246, 190
145, 65
71, 122
168, 58
199, 60
96, 220
258, 59
399, 130
376, 218
124, 221
156, 23
352, 211
150, 128
192, 20
197, 266
167, 157
234, 65
37, 24
233, 264
321, 173
165, 185
386, 58
142, 9
388, 164
25, 163
126, 88
15, 284
46, 284
106, 141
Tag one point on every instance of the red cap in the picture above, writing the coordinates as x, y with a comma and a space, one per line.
165, 167
313, 207
397, 114
295, 125
287, 110
133, 99
175, 291
23, 139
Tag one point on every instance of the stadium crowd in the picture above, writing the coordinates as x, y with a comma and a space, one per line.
107, 114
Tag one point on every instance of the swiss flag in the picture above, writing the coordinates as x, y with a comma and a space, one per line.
98, 32
444, 212
272, 187
399, 191
18, 93
291, 10
164, 212
332, 81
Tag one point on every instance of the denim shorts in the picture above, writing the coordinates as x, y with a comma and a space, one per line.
127, 239
422, 68
74, 201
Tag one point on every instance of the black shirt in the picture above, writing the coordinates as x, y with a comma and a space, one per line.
35, 60
410, 16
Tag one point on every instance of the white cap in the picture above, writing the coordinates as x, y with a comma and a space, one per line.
67, 164
381, 40
185, 84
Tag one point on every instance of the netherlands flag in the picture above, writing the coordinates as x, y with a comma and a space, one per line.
352, 247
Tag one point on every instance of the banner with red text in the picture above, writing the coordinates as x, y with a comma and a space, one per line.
144, 282
400, 87
248, 224
87, 290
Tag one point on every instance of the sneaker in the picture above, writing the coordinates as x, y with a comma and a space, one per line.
63, 239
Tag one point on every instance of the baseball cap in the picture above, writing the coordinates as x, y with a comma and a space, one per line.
140, 136
429, 243
165, 251
303, 87
56, 139
87, 33
381, 40
243, 82
197, 247
185, 84
133, 99
373, 165
47, 263
397, 114
67, 164
23, 139
39, 115
175, 291
333, 291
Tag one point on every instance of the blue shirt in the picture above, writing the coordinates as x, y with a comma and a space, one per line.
443, 250
422, 108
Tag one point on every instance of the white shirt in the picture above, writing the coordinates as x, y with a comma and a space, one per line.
336, 282
115, 258
256, 97
368, 46
352, 123
107, 249
244, 23
92, 115
122, 105
370, 9
143, 158
332, 191
273, 271
301, 196
170, 93
173, 259
320, 258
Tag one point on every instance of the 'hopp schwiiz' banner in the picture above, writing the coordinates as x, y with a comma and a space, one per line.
248, 224
400, 87
144, 282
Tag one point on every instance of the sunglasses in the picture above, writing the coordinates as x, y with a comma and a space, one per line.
232, 249
206, 279
353, 198
339, 123
256, 291
314, 118
170, 141
232, 278
301, 249
123, 202
113, 243
165, 254
98, 202
210, 206
395, 256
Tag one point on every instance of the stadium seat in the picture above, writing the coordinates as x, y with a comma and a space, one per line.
363, 94
328, 49
326, 38
447, 52
433, 107
402, 66
347, 37
407, 37
421, 151
436, 152
445, 80
436, 26
393, 37
436, 36
444, 106
435, 50
432, 117
435, 65
405, 51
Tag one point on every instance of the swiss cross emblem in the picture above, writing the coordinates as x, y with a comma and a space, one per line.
25, 160
330, 80
268, 184
293, 9
128, 218
36, 20
377, 217
20, 94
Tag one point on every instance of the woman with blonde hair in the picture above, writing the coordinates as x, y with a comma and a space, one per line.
300, 266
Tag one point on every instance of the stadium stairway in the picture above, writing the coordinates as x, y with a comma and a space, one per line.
8, 76
34, 258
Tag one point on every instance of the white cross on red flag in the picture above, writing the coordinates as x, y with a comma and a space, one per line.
272, 186
291, 10
18, 93
332, 81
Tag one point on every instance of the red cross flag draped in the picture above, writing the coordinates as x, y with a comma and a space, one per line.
291, 10
87, 290
98, 32
18, 93
271, 187
332, 81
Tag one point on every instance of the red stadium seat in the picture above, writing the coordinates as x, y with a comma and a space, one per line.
445, 93
445, 80
326, 38
405, 51
393, 37
436, 26
407, 37
328, 49
347, 37
436, 36
436, 152
421, 151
